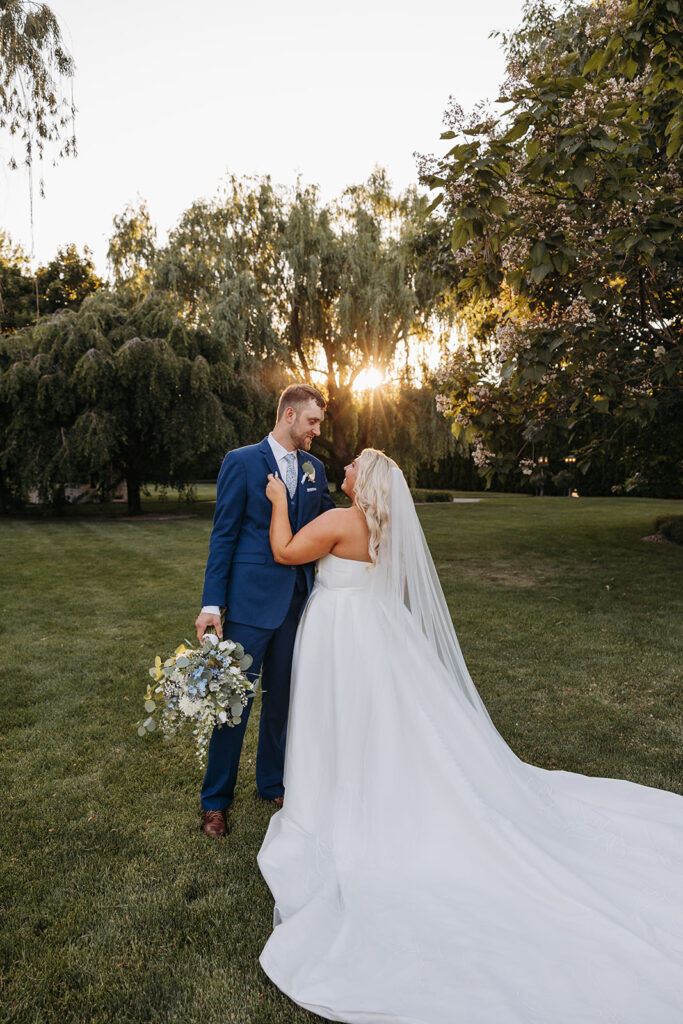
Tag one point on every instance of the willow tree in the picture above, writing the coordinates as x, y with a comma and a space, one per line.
110, 392
350, 303
295, 288
37, 111
565, 216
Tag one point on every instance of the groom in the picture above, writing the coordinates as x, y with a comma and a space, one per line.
263, 600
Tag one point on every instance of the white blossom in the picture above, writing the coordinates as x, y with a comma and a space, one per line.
188, 707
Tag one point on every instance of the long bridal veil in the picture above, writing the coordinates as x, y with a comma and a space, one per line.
407, 577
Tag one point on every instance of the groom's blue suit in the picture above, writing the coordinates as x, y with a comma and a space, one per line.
263, 602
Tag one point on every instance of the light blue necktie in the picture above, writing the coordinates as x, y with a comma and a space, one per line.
290, 479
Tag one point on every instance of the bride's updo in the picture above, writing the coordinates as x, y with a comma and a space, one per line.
372, 493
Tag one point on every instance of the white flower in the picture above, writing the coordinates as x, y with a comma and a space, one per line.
210, 636
222, 716
188, 707
235, 670
226, 645
660, 351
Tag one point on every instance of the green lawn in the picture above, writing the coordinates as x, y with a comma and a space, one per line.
117, 908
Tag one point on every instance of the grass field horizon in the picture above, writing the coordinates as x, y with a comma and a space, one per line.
117, 909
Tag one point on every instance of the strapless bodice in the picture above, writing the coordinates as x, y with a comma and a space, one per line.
336, 573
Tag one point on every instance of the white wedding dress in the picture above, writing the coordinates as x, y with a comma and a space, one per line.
423, 874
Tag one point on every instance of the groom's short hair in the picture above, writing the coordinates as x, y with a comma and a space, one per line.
297, 395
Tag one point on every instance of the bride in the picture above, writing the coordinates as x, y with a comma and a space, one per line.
422, 873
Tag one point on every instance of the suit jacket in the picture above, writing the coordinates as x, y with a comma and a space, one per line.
241, 573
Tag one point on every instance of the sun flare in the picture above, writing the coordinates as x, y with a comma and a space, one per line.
368, 380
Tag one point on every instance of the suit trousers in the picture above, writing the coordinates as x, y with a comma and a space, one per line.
272, 651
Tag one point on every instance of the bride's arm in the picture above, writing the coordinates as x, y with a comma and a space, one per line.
315, 540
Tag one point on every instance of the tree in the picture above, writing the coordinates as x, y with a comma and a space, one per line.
34, 70
323, 291
107, 393
62, 284
132, 251
565, 219
17, 287
350, 302
66, 280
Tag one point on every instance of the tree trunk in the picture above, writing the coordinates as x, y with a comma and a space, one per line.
58, 499
133, 488
7, 502
338, 448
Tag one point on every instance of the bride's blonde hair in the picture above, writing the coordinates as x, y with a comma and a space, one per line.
372, 492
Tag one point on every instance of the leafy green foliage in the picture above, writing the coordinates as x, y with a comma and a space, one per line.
131, 251
320, 291
565, 219
351, 302
17, 287
112, 392
33, 66
63, 283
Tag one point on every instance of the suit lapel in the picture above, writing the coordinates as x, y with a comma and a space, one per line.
267, 452
295, 504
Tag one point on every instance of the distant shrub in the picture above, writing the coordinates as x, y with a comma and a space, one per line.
670, 527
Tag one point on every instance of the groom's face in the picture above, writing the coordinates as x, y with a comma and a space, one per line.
305, 424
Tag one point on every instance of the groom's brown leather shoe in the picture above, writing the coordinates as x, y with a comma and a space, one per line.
213, 823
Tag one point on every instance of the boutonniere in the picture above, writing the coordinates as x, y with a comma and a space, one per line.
309, 472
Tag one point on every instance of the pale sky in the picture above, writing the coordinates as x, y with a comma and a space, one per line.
172, 95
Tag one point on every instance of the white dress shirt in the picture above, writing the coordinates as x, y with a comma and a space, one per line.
280, 453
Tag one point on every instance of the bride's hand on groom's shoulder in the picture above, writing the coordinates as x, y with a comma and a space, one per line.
276, 490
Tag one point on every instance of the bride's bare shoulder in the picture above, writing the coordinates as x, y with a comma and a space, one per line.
343, 522
350, 515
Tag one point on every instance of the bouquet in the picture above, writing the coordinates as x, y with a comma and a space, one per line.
205, 685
